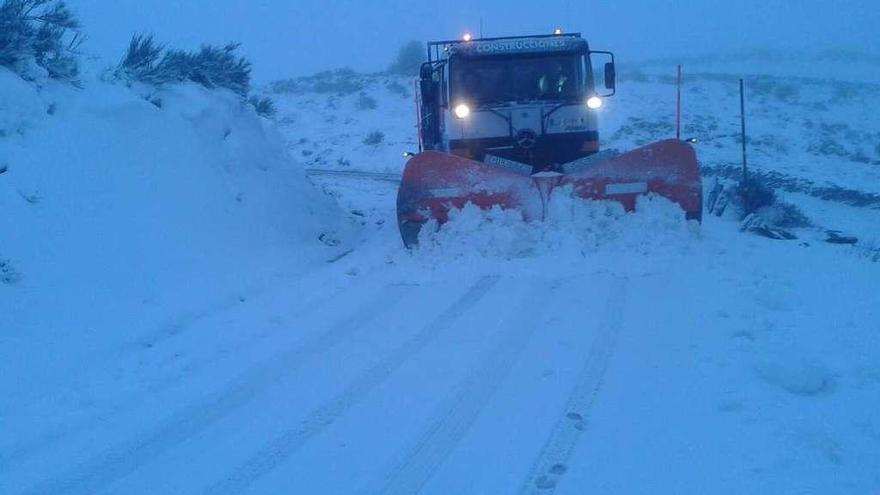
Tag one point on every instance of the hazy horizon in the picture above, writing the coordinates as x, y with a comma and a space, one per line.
289, 38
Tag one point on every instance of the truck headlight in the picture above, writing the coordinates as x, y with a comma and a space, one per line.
462, 111
594, 102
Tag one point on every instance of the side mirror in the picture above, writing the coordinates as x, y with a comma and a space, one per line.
610, 72
610, 76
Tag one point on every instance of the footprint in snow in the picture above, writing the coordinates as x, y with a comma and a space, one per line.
577, 420
821, 443
805, 378
558, 469
550, 479
777, 299
743, 335
730, 406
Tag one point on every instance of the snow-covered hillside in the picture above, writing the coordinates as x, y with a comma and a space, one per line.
601, 352
122, 215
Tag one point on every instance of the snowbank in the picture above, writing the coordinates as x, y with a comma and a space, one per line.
120, 213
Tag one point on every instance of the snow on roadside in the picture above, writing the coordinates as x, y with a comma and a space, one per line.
120, 214
348, 121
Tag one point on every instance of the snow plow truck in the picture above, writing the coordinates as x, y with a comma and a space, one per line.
511, 122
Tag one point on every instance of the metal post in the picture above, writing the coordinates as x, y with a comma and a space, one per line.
742, 120
678, 107
417, 96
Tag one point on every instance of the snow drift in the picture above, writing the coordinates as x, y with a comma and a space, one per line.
123, 208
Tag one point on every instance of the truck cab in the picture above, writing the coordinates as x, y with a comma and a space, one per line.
524, 103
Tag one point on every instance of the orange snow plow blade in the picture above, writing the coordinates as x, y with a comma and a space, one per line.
433, 183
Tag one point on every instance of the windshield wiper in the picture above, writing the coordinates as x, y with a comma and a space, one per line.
501, 115
496, 101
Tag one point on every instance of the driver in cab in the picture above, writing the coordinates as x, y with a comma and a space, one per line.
553, 83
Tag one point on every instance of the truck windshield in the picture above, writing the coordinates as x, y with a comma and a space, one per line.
517, 79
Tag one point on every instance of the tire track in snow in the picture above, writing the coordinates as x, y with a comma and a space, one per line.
162, 332
282, 447
454, 417
551, 464
126, 457
18, 453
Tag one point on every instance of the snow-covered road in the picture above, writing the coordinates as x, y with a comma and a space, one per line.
713, 363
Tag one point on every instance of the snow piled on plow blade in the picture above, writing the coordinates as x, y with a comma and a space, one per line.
572, 229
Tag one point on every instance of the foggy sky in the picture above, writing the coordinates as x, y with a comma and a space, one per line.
298, 37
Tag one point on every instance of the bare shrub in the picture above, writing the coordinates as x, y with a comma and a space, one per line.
409, 60
264, 106
343, 81
374, 138
288, 86
366, 102
211, 66
141, 61
397, 88
8, 274
754, 195
44, 31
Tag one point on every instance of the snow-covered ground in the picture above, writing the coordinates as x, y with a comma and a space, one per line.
123, 218
598, 353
